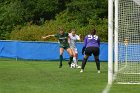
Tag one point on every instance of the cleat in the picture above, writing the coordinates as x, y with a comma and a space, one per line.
81, 71
60, 66
69, 63
99, 71
70, 66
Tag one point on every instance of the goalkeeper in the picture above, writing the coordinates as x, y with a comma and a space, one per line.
91, 46
64, 45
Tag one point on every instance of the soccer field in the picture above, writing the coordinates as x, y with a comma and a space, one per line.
46, 77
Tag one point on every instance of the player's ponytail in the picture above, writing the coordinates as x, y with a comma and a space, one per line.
93, 32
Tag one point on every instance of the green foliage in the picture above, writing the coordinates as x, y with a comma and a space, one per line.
10, 16
27, 33
35, 32
84, 10
19, 12
30, 19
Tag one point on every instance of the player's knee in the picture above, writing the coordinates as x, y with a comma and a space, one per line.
61, 56
74, 55
71, 55
96, 59
85, 59
61, 53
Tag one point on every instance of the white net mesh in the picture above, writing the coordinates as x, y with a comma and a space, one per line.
129, 42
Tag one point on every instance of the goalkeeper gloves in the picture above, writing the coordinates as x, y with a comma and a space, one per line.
83, 50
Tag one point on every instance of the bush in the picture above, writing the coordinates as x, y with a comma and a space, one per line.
35, 32
81, 15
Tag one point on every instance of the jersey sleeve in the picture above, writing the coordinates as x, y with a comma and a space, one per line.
56, 35
67, 34
85, 41
98, 41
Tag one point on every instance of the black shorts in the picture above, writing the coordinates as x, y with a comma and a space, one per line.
92, 50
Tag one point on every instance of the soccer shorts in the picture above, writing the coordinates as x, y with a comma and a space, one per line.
74, 49
64, 47
92, 50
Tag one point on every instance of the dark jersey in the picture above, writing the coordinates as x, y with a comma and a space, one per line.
63, 39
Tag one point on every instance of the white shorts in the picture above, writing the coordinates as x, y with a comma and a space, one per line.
74, 49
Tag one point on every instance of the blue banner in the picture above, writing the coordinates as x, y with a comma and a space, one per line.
42, 50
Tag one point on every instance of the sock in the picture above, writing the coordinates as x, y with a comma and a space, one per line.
61, 58
84, 63
70, 61
75, 60
97, 64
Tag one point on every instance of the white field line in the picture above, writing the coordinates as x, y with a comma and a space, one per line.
107, 88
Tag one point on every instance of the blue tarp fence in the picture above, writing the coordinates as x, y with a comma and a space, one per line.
131, 52
42, 50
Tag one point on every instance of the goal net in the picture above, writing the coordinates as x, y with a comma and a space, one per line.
128, 65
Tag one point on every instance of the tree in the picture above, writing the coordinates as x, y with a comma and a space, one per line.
10, 15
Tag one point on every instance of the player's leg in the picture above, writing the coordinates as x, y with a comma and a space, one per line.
75, 52
71, 55
96, 57
84, 62
74, 56
61, 56
97, 63
87, 54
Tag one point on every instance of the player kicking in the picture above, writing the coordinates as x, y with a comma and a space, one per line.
64, 45
72, 42
91, 46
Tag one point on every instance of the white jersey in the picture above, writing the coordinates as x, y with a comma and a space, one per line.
73, 40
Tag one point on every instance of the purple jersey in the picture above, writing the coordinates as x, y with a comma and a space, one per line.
92, 41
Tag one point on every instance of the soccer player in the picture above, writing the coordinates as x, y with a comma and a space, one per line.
91, 46
64, 45
72, 41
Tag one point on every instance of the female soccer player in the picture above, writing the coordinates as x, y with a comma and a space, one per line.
91, 46
72, 41
64, 45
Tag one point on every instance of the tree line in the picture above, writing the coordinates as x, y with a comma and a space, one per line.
30, 19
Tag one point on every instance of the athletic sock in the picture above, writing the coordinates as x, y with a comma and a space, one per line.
75, 60
97, 64
61, 58
84, 63
70, 61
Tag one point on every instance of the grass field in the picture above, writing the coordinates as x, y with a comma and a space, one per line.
46, 77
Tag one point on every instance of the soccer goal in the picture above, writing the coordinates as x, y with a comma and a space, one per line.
124, 42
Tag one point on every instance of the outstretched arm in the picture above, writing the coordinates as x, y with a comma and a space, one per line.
99, 41
84, 47
47, 36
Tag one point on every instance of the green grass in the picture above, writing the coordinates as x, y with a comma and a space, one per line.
125, 88
46, 77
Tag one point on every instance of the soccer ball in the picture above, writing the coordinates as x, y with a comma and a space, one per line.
73, 65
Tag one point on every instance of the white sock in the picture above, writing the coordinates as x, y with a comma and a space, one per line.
75, 60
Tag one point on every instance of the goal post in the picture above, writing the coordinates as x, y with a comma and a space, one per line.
110, 41
126, 41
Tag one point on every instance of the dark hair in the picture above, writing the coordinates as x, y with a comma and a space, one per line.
93, 32
60, 29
